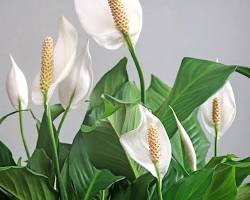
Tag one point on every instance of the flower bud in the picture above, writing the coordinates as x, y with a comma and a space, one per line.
16, 86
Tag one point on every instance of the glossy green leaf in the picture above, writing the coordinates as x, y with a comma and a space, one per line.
191, 188
223, 185
5, 156
102, 140
109, 84
243, 193
207, 184
138, 189
64, 150
104, 148
42, 164
67, 181
24, 184
196, 81
156, 93
244, 70
242, 167
87, 180
43, 141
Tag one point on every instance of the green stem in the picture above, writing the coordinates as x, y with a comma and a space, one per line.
22, 130
137, 64
62, 191
103, 195
215, 141
159, 181
65, 114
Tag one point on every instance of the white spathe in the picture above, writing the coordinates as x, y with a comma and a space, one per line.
96, 19
78, 82
64, 57
187, 144
228, 110
16, 86
135, 143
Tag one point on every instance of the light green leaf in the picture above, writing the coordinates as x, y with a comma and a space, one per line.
24, 184
5, 156
196, 81
87, 180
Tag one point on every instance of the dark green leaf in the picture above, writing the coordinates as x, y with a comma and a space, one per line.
87, 180
64, 150
243, 193
191, 188
24, 184
139, 189
244, 70
156, 93
5, 156
43, 141
108, 84
223, 185
196, 81
42, 164
242, 167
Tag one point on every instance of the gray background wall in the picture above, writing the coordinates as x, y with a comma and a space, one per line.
172, 29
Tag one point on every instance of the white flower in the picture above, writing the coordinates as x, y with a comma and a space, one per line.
96, 19
187, 144
64, 57
227, 109
145, 149
78, 82
16, 86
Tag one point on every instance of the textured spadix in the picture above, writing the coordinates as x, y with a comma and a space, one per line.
97, 20
224, 115
148, 148
16, 86
64, 56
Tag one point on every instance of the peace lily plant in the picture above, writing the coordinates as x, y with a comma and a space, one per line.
133, 143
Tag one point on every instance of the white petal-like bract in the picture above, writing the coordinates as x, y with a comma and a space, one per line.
79, 81
136, 143
96, 19
228, 110
16, 86
187, 144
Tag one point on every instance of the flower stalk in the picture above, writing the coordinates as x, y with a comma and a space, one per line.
65, 114
22, 129
137, 64
154, 150
122, 24
45, 83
